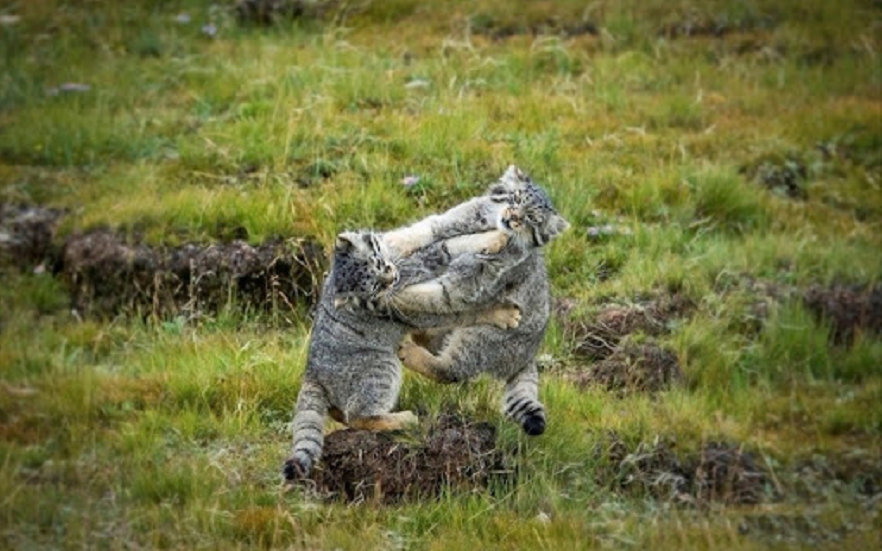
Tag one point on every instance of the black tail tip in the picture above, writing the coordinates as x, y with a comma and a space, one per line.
534, 425
295, 470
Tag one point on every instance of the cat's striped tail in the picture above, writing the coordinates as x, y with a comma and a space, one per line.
521, 402
309, 423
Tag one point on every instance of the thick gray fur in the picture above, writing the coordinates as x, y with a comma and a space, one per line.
352, 370
516, 276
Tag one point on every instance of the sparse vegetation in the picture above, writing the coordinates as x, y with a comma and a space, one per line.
720, 163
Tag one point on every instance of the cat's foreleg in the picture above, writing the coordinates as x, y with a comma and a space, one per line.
504, 316
489, 242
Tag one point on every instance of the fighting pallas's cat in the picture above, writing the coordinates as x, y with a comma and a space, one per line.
352, 369
517, 275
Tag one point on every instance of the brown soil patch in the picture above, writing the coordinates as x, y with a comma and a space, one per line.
860, 469
26, 234
267, 12
360, 465
562, 307
719, 472
638, 368
695, 25
106, 274
23, 429
849, 309
599, 338
726, 473
497, 29
784, 174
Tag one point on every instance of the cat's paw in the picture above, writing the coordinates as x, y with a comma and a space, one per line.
506, 317
296, 468
496, 243
393, 242
409, 352
534, 425
406, 418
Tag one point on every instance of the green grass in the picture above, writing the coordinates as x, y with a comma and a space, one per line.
168, 434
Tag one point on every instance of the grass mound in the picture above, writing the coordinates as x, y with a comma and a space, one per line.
360, 465
598, 339
26, 234
719, 472
638, 368
848, 308
106, 274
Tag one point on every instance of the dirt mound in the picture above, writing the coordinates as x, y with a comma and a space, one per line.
106, 274
784, 174
653, 468
860, 469
718, 25
267, 12
502, 28
725, 472
599, 338
643, 368
26, 234
848, 308
719, 472
360, 465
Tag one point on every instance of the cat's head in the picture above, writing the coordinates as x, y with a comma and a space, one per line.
363, 268
528, 213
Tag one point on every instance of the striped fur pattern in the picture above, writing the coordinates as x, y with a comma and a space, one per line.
515, 276
521, 402
352, 369
309, 434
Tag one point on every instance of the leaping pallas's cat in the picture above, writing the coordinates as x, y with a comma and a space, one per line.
352, 369
518, 277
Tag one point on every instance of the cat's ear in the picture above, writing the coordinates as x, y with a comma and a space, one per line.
515, 174
345, 242
512, 173
557, 225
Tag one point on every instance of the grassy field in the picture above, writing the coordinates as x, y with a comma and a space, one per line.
733, 147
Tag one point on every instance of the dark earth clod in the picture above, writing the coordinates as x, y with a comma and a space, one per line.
634, 368
848, 308
719, 472
599, 338
26, 234
359, 465
268, 12
784, 174
106, 274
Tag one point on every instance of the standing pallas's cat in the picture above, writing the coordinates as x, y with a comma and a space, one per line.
515, 276
352, 369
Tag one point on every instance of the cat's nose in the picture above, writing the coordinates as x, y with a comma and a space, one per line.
514, 219
389, 273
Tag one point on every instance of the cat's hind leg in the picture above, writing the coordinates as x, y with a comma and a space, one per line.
521, 402
370, 407
390, 421
309, 422
447, 367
